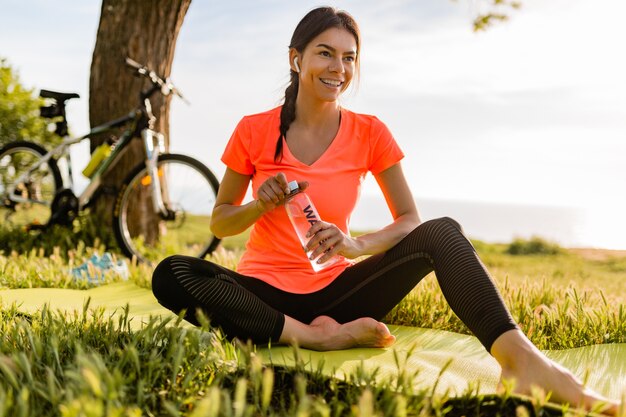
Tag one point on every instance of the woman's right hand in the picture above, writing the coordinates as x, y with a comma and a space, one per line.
273, 191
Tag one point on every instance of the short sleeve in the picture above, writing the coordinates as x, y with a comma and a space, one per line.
236, 156
384, 150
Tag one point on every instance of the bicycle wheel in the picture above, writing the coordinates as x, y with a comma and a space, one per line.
189, 190
38, 189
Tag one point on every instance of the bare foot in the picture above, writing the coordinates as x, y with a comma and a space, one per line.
363, 332
324, 333
529, 369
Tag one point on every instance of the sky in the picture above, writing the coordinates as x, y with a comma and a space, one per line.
530, 112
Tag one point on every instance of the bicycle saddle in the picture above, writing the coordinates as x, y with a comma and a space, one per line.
57, 96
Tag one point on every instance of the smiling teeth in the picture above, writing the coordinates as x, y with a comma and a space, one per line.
334, 83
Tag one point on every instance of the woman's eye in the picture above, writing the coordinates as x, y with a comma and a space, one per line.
349, 58
325, 53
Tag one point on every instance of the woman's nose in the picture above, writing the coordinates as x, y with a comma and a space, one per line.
337, 66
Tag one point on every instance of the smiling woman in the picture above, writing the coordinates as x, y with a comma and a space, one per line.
275, 295
499, 82
333, 66
323, 67
323, 73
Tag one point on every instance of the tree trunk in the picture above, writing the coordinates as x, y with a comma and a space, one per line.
146, 31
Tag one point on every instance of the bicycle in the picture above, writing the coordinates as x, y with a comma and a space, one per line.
170, 196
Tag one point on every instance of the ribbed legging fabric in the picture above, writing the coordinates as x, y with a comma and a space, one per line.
248, 308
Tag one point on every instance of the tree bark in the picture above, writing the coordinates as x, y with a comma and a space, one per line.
146, 31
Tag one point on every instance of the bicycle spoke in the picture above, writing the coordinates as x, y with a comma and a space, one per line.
188, 195
28, 202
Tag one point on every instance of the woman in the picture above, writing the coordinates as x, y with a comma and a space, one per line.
275, 295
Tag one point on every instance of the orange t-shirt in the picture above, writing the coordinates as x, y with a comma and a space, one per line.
273, 252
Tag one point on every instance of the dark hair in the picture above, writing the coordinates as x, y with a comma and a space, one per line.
315, 22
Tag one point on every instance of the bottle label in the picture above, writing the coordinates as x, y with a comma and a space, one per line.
310, 215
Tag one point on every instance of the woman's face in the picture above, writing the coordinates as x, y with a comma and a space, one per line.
327, 64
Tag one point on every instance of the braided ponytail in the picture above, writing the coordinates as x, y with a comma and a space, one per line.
315, 22
287, 114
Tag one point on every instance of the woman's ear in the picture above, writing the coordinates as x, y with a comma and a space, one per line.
294, 60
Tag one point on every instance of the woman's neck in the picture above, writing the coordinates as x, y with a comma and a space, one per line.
315, 113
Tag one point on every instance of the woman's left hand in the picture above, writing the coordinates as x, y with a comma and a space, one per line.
328, 240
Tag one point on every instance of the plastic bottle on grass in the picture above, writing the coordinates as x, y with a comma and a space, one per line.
303, 215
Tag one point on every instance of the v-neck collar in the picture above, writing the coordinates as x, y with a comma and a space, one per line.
333, 143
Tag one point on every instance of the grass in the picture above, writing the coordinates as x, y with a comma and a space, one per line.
186, 237
92, 365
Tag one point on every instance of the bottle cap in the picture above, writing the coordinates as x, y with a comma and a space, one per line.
293, 186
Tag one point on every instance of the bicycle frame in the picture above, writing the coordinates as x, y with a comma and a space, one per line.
154, 144
150, 139
140, 120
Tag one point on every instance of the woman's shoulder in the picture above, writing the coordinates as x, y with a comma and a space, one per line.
267, 116
363, 120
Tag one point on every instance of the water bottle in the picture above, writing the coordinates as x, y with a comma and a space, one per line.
303, 215
99, 154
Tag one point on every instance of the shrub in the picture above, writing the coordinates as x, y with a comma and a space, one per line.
19, 110
533, 246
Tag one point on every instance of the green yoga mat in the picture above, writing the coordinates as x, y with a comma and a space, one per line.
419, 353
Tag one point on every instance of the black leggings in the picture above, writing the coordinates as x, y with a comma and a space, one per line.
248, 308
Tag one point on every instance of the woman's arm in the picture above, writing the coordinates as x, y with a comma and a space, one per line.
327, 237
403, 210
230, 217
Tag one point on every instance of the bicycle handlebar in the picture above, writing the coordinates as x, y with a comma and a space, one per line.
165, 85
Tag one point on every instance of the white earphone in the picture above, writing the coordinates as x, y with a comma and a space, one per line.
295, 64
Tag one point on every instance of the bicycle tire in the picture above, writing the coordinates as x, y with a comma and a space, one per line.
44, 183
191, 189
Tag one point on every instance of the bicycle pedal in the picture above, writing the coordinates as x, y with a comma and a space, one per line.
64, 208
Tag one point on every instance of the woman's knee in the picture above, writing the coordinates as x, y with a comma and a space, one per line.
451, 221
441, 223
163, 278
175, 273
437, 233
